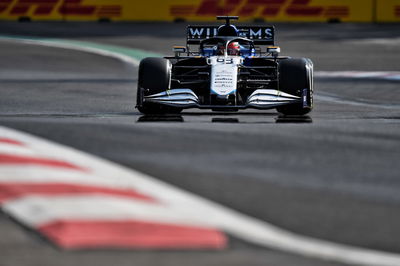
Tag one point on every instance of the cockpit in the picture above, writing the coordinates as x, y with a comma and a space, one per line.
227, 46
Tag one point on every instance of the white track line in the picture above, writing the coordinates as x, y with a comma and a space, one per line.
334, 99
385, 75
233, 222
77, 47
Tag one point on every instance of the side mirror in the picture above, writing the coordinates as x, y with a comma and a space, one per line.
178, 50
274, 50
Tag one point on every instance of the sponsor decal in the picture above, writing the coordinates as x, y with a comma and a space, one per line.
263, 8
224, 75
260, 34
57, 7
255, 32
198, 32
305, 102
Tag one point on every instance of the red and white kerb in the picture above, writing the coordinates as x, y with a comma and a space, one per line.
78, 201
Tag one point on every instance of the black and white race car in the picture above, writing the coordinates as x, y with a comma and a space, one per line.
231, 68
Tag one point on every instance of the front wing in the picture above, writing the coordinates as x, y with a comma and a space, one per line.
259, 99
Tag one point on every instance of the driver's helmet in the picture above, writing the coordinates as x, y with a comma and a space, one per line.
233, 48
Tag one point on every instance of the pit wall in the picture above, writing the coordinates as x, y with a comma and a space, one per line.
202, 10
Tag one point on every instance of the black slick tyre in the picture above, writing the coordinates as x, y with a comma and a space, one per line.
296, 78
154, 77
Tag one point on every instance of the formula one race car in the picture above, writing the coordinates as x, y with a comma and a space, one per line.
233, 68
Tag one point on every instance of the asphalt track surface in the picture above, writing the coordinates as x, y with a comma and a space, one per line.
336, 178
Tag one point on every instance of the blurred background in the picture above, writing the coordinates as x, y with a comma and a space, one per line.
68, 74
202, 10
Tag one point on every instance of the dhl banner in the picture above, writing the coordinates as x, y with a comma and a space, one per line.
202, 10
276, 10
388, 11
62, 9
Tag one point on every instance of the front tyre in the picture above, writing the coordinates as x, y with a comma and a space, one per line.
296, 78
154, 77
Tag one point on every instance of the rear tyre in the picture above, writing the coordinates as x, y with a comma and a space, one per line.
154, 77
296, 78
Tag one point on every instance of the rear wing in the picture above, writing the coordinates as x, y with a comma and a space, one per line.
261, 35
